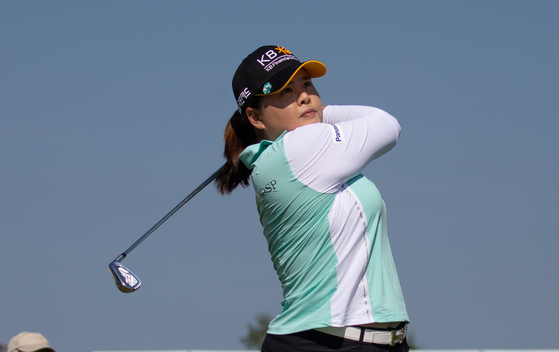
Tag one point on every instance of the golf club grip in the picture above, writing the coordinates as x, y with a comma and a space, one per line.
175, 209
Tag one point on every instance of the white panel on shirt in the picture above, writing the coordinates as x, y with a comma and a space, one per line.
350, 304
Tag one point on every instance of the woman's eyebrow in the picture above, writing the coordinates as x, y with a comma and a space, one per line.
304, 78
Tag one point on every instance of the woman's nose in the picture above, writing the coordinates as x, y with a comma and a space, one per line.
304, 98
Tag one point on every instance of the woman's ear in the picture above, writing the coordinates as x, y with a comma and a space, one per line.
254, 118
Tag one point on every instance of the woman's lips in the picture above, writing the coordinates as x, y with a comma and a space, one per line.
308, 112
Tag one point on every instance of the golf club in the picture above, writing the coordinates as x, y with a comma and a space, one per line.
125, 280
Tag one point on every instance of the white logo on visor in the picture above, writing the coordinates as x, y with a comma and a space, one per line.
243, 97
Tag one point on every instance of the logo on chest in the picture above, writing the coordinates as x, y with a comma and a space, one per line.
268, 188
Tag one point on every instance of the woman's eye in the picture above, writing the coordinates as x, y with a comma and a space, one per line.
287, 90
308, 84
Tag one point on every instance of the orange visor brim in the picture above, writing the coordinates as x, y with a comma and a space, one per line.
314, 68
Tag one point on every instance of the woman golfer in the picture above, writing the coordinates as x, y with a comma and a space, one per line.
325, 223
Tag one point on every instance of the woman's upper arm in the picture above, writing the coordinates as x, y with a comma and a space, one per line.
326, 155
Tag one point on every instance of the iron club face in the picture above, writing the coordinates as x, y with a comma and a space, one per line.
126, 281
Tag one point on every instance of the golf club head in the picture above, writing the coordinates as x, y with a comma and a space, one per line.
126, 281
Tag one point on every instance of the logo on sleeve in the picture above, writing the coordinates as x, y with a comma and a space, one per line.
337, 134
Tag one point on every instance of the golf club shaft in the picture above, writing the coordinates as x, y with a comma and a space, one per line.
175, 209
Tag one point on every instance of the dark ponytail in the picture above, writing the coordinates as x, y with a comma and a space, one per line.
239, 134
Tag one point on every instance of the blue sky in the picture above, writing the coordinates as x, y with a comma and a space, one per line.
112, 112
